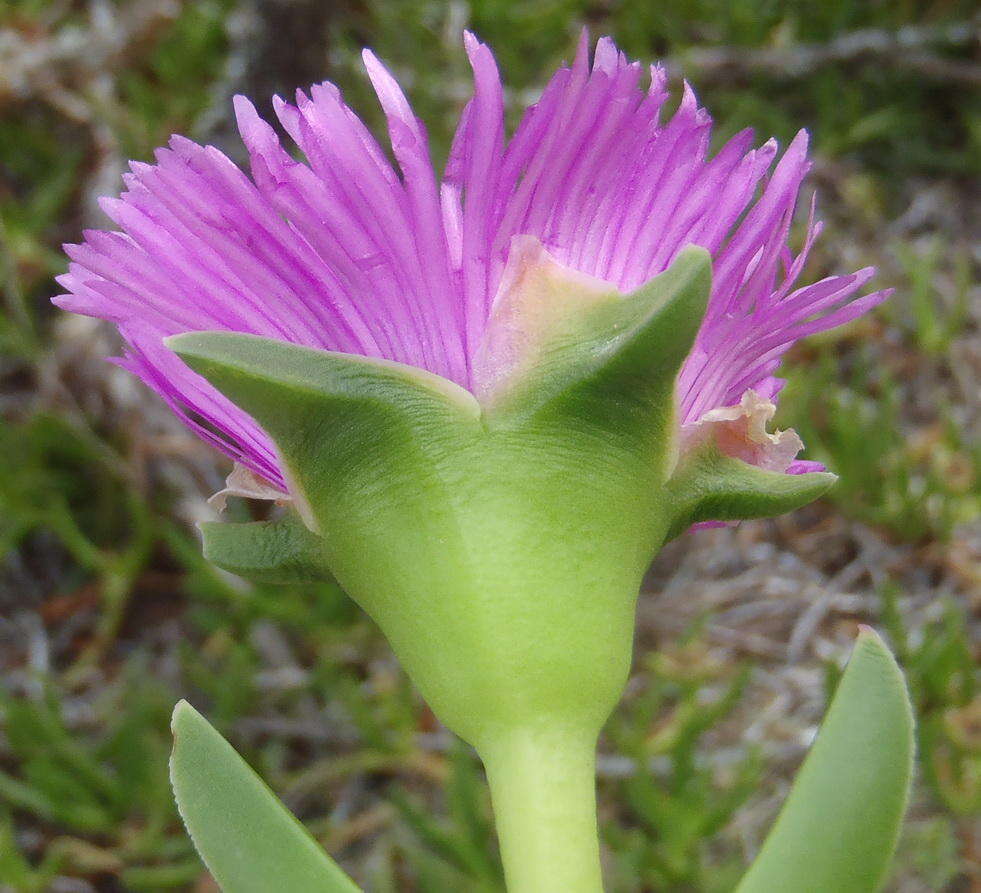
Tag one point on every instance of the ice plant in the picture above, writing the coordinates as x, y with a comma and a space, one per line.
490, 397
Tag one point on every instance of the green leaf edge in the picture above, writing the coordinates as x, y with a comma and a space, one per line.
794, 857
304, 867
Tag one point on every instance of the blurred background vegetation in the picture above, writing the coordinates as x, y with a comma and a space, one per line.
108, 613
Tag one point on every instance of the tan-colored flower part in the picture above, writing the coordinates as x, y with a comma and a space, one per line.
740, 431
538, 297
244, 482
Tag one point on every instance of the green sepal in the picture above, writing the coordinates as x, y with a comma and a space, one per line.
710, 486
281, 551
373, 430
275, 380
248, 839
622, 354
838, 828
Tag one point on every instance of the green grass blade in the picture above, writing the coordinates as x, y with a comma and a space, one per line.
250, 842
838, 828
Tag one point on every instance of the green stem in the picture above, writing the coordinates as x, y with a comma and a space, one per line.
543, 787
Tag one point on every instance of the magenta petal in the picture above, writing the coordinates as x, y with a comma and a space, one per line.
344, 251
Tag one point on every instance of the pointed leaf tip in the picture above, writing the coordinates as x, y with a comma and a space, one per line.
557, 338
265, 375
249, 841
177, 716
710, 486
670, 308
840, 823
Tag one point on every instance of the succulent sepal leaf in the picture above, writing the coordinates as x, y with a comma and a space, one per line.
258, 372
710, 486
604, 347
280, 551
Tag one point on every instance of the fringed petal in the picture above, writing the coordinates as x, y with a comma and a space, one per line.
343, 251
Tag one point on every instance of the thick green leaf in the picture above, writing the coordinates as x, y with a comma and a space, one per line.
250, 842
714, 487
283, 551
838, 828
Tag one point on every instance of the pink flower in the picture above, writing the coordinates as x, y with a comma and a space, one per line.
345, 253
